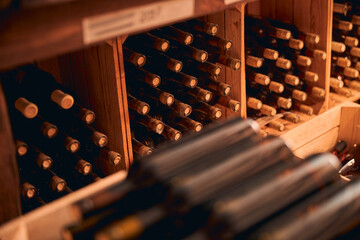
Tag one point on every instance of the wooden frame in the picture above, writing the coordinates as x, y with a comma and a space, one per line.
100, 68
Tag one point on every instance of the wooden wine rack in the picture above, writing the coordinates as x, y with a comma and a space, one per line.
57, 38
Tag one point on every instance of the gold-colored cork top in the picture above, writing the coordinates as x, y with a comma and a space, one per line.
343, 62
87, 116
114, 158
62, 99
351, 41
355, 51
303, 61
318, 92
49, 130
283, 33
296, 44
283, 63
338, 47
254, 103
299, 95
254, 62
262, 79
311, 77
276, 87
277, 125
270, 54
351, 72
44, 161
306, 109
284, 103
268, 110
294, 118
21, 148
319, 54
292, 80
57, 184
26, 108
336, 83
234, 105
99, 139
312, 38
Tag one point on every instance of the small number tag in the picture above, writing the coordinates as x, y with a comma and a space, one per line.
121, 22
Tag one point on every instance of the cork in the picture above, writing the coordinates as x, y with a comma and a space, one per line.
303, 61
164, 45
338, 47
312, 38
284, 103
43, 161
276, 87
299, 95
139, 59
234, 63
174, 65
234, 105
83, 167
277, 126
195, 126
283, 33
343, 91
355, 51
156, 125
254, 62
28, 190
340, 8
113, 157
351, 72
262, 79
319, 54
263, 133
351, 41
215, 112
190, 81
217, 70
200, 56
182, 108
296, 44
294, 118
204, 95
177, 136
254, 103
72, 145
306, 109
57, 184
311, 77
62, 99
268, 110
336, 83
292, 80
21, 148
26, 108
352, 84
153, 80
228, 45
270, 54
189, 38
224, 89
355, 20
211, 28
99, 139
318, 92
283, 63
87, 116
166, 99
357, 66
173, 134
344, 25
343, 62
144, 151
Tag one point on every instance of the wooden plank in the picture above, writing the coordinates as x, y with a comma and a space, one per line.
48, 221
9, 177
122, 101
253, 8
284, 10
350, 125
104, 98
42, 32
268, 8
234, 30
313, 128
321, 144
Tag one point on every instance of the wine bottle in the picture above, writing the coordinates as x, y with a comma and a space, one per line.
267, 110
213, 84
257, 77
253, 103
142, 75
181, 108
254, 62
349, 41
254, 23
193, 67
175, 34
27, 190
147, 121
336, 83
308, 110
186, 51
139, 106
199, 26
341, 8
158, 61
343, 91
137, 59
294, 94
148, 40
339, 148
283, 77
185, 79
30, 78
86, 115
140, 148
292, 117
255, 49
21, 148
227, 102
352, 84
276, 125
337, 61
274, 100
202, 40
227, 61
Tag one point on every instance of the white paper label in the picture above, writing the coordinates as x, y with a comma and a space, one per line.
227, 2
102, 27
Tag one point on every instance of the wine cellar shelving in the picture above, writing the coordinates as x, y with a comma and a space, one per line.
97, 73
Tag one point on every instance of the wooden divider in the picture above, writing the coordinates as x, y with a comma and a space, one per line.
97, 78
314, 16
9, 177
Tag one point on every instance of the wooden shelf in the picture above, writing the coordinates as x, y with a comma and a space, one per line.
36, 33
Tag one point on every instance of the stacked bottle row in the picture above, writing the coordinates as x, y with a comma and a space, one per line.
345, 66
56, 144
349, 157
278, 61
244, 188
173, 82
